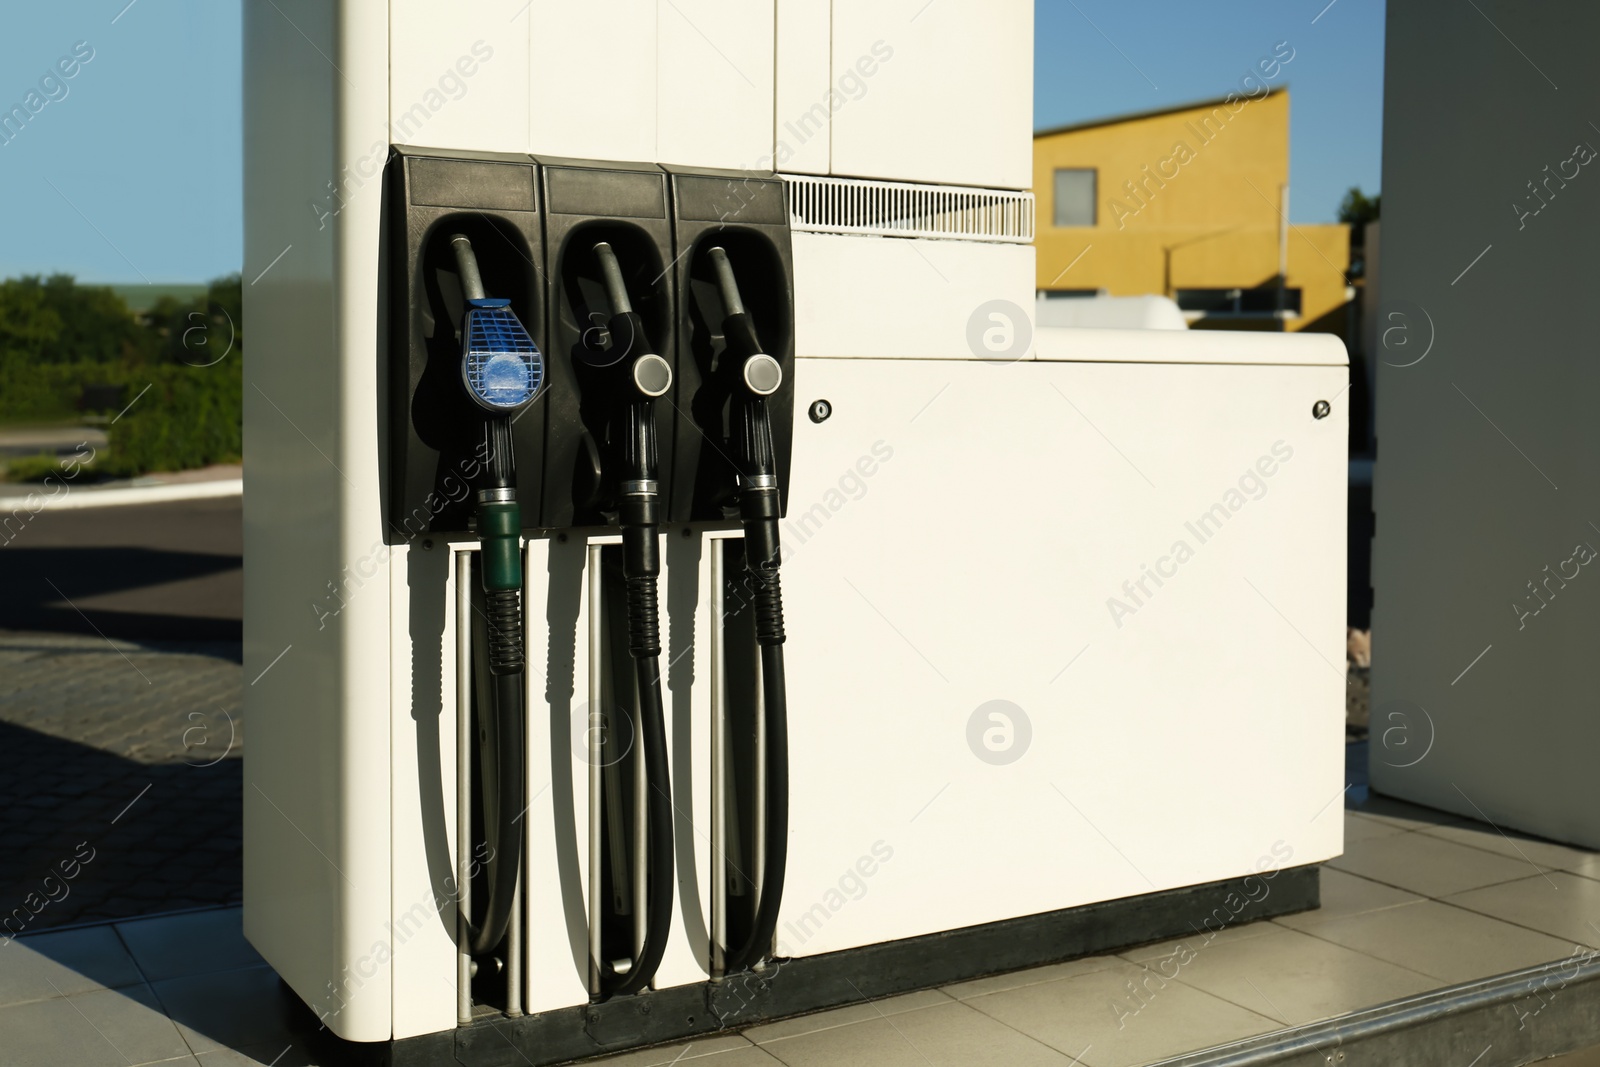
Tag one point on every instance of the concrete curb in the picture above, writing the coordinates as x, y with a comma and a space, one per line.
134, 494
1446, 1027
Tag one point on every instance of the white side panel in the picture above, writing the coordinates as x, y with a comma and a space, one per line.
1198, 735
803, 79
1482, 557
714, 83
317, 777
422, 592
910, 299
293, 897
924, 108
363, 693
592, 84
458, 75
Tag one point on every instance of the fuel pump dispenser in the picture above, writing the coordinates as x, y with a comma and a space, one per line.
645, 446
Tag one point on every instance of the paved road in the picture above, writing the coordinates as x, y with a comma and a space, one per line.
120, 734
162, 572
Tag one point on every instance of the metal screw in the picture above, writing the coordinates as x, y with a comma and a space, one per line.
427, 546
1320, 409
820, 410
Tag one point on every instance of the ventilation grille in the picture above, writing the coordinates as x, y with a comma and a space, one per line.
901, 209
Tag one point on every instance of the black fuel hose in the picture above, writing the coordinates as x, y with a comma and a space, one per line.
653, 749
759, 511
501, 705
760, 508
639, 516
505, 865
776, 855
499, 525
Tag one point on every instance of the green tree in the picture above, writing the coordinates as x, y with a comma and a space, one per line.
28, 325
198, 332
96, 325
1357, 209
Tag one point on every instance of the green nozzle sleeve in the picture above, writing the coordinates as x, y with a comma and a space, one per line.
499, 532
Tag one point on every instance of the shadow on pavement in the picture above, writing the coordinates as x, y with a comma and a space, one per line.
148, 572
93, 835
109, 591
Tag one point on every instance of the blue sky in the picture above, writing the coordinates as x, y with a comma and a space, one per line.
1094, 58
135, 173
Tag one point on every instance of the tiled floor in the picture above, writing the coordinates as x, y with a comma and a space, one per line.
181, 989
1419, 901
120, 762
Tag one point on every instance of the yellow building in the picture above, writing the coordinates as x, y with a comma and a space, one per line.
1189, 202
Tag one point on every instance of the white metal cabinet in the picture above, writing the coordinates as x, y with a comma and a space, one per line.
851, 294
929, 112
802, 117
714, 83
458, 76
592, 80
956, 533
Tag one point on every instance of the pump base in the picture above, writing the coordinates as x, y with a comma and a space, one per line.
814, 983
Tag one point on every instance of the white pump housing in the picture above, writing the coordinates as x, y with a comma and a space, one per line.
1173, 730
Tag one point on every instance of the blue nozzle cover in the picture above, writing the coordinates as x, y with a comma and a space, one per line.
501, 367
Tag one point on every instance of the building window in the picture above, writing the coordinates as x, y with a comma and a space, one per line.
1261, 301
1074, 196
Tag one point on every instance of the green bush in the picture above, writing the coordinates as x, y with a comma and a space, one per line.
35, 392
179, 365
33, 468
188, 417
56, 320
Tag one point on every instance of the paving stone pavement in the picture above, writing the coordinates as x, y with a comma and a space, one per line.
120, 777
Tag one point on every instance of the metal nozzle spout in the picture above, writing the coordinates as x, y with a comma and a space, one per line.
726, 281
611, 271
467, 266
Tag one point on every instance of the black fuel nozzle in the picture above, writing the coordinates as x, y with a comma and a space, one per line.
760, 505
761, 374
639, 489
502, 371
630, 345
